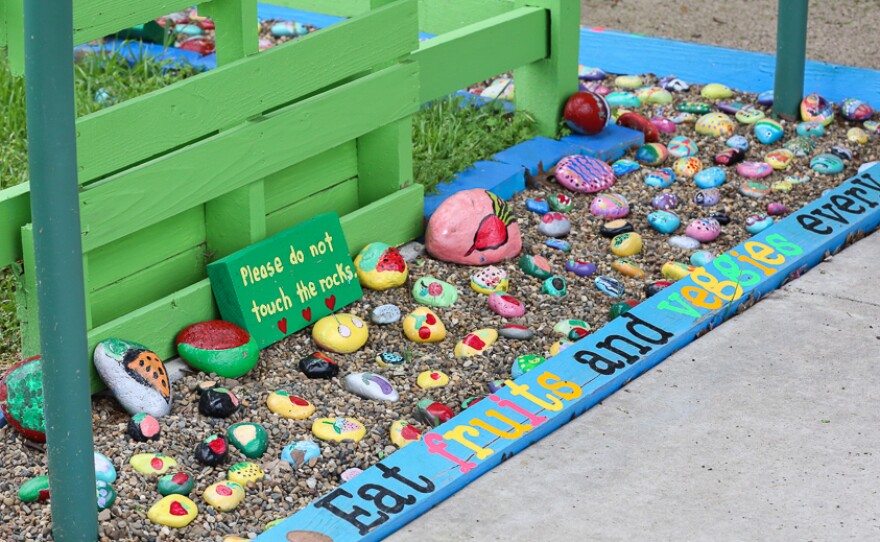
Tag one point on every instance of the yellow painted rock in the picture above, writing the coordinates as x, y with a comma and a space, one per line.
779, 158
475, 343
716, 91
403, 433
715, 124
628, 81
626, 244
244, 473
559, 346
152, 463
338, 429
424, 326
173, 511
857, 135
432, 379
272, 523
289, 406
490, 280
676, 270
380, 267
343, 333
687, 166
235, 539
224, 496
781, 186
628, 268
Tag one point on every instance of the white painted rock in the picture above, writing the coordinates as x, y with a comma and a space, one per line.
371, 386
135, 375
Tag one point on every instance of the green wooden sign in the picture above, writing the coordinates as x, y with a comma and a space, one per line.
288, 281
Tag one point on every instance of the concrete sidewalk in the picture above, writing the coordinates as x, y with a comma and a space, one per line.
767, 428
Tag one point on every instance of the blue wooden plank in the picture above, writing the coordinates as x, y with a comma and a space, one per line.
411, 481
609, 144
503, 180
540, 150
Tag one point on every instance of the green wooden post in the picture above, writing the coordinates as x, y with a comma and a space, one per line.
791, 51
59, 268
543, 87
30, 318
236, 28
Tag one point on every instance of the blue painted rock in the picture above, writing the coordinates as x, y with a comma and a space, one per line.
674, 84
609, 206
687, 167
800, 146
580, 268
21, 399
609, 286
817, 108
749, 115
779, 159
285, 29
827, 164
701, 258
591, 74
715, 124
318, 365
872, 126
857, 135
712, 177
516, 331
729, 157
143, 427
758, 223
623, 99
754, 170
660, 178
768, 131
766, 97
855, 110
555, 286
535, 266
652, 154
218, 402
625, 166
433, 293
707, 197
370, 386
554, 225
506, 306
380, 267
251, 439
560, 203
738, 142
538, 205
753, 189
683, 118
188, 29
613, 228
584, 174
664, 201
135, 375
390, 360
587, 112
664, 221
684, 242
218, 347
104, 469
299, 454
387, 314
704, 230
810, 129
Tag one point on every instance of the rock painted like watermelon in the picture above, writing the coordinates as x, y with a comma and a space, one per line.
380, 267
21, 399
218, 347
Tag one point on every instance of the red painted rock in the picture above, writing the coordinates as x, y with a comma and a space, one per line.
473, 227
587, 112
218, 347
21, 399
634, 121
202, 46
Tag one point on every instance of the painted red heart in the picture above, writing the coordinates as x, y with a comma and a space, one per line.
330, 302
282, 325
307, 314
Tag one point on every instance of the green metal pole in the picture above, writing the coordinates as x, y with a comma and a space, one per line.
59, 267
791, 51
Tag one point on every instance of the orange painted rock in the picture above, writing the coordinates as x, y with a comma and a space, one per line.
136, 376
634, 121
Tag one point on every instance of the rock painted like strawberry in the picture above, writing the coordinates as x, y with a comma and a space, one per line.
492, 231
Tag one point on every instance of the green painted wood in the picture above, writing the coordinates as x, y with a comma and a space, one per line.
3, 26
288, 281
14, 13
147, 286
94, 19
791, 55
451, 62
235, 220
442, 16
339, 8
394, 220
236, 28
201, 105
210, 168
15, 213
543, 87
310, 176
29, 319
385, 161
341, 199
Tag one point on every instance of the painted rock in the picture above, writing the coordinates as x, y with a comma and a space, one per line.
224, 496
218, 403
729, 157
625, 166
350, 474
749, 115
370, 386
433, 413
554, 225
872, 126
660, 178
777, 209
178, 483
135, 375
781, 186
684, 242
627, 268
811, 129
403, 433
701, 258
587, 112
664, 125
475, 343
779, 159
285, 29
318, 365
754, 170
722, 218
594, 86
501, 88
683, 118
712, 177
715, 124
535, 266
559, 346
766, 97
682, 147
385, 314
299, 454
613, 228
609, 286
817, 108
652, 154
566, 325
654, 95
704, 230
561, 203
341, 332
538, 205
105, 495
623, 99
495, 385
104, 469
558, 244
694, 108
609, 206
664, 221
636, 122
628, 81
152, 464
490, 279
584, 174
707, 197
757, 223
675, 270
687, 167
797, 179
473, 227
245, 473
627, 244
619, 308
856, 110
842, 152
34, 490
591, 74
21, 399
289, 406
506, 305
434, 292
664, 201
197, 44
380, 267
753, 189
674, 84
656, 287
555, 287
857, 135
212, 451
432, 379
768, 131
524, 364
251, 439
731, 107
716, 91
143, 427
424, 326
516, 331
738, 142
827, 164
580, 268
174, 511
800, 146
218, 347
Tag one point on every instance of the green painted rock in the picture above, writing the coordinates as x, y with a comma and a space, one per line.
21, 399
178, 483
218, 347
564, 327
250, 438
536, 266
617, 309
35, 489
434, 292
105, 494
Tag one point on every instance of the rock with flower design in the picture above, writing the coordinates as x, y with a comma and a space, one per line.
423, 326
338, 429
434, 292
380, 267
218, 347
135, 375
289, 406
174, 511
21, 399
224, 496
403, 433
475, 343
370, 386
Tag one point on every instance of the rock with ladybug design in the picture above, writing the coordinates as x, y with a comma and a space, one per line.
135, 375
424, 326
380, 267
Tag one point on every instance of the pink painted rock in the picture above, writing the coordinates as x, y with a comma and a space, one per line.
506, 306
704, 230
473, 227
585, 174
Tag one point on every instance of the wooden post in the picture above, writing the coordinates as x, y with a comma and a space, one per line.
543, 87
791, 52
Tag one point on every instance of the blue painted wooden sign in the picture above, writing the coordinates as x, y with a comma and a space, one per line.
409, 482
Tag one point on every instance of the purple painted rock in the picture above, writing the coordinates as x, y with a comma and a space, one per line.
609, 206
473, 227
704, 230
707, 197
580, 268
584, 174
665, 201
506, 305
754, 170
21, 399
218, 347
777, 209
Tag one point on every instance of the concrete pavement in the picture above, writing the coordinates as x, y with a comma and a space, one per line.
766, 429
